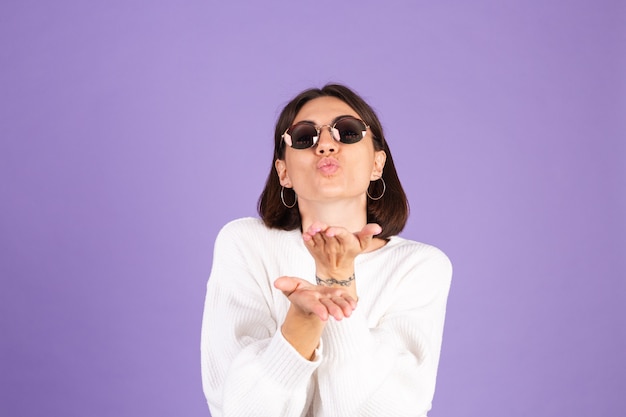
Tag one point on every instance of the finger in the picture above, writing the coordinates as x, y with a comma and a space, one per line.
319, 239
312, 241
341, 236
333, 309
344, 305
316, 227
343, 294
329, 246
353, 303
308, 240
338, 232
320, 310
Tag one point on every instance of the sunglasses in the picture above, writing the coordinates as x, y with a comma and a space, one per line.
345, 129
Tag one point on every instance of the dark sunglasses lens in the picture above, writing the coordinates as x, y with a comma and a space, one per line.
350, 130
303, 136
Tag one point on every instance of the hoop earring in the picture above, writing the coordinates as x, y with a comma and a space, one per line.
282, 198
381, 194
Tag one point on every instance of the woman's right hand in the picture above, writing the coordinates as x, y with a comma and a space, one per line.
311, 306
316, 300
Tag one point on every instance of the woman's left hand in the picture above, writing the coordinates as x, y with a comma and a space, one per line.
334, 248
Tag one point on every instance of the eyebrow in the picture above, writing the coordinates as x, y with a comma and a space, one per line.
331, 123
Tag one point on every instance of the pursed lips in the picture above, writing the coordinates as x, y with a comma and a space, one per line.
328, 165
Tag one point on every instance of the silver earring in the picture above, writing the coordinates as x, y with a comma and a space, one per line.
381, 194
282, 198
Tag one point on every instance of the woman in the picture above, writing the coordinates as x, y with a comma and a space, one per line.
320, 309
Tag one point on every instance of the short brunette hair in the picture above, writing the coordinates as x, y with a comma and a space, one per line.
390, 212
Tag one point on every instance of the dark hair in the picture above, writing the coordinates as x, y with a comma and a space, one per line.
390, 212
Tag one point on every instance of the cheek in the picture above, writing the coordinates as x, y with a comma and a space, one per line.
294, 165
365, 158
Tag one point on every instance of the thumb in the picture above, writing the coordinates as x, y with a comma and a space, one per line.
366, 234
287, 285
372, 229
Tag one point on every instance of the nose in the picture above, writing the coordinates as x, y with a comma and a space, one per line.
326, 143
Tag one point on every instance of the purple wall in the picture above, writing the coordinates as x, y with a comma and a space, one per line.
132, 130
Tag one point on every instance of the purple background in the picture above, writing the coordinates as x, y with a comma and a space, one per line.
131, 131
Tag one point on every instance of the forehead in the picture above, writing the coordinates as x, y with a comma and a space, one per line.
323, 110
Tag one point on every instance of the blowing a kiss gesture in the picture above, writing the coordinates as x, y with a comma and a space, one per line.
334, 250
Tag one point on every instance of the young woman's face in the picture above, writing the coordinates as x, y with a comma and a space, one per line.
330, 170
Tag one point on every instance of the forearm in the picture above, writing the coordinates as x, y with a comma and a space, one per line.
303, 331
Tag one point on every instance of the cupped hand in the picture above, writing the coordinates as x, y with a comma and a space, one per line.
317, 300
334, 248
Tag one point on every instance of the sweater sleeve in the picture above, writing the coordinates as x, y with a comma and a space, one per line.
390, 368
248, 368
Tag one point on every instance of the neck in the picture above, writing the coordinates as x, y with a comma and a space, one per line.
350, 214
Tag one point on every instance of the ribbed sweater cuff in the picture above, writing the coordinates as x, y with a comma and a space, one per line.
287, 367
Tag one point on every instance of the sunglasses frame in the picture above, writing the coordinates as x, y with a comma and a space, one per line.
334, 132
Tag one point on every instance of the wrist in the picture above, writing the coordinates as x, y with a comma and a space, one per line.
339, 272
335, 282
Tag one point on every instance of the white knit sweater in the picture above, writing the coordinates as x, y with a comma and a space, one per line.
381, 361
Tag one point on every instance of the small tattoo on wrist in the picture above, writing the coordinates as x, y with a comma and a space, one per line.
332, 281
